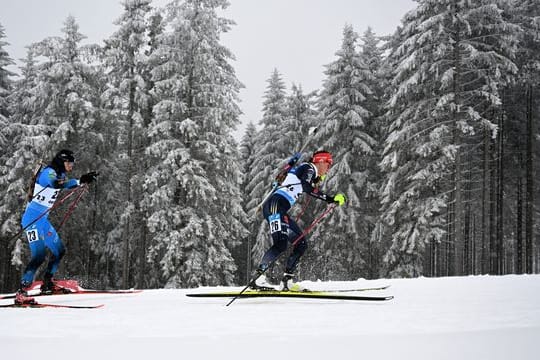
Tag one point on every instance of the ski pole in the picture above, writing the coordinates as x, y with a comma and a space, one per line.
73, 205
328, 210
303, 210
300, 237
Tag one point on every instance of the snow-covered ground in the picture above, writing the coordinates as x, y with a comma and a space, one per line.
479, 317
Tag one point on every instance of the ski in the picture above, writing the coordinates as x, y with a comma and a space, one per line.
275, 288
290, 294
92, 291
68, 287
359, 289
40, 305
78, 292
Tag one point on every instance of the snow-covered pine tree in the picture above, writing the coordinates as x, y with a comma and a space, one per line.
6, 128
5, 74
192, 187
247, 151
71, 78
371, 52
6, 142
127, 99
452, 61
7, 227
302, 116
271, 152
526, 13
522, 105
344, 131
242, 254
52, 108
65, 93
22, 136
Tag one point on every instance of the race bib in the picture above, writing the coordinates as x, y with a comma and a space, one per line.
275, 223
32, 235
45, 196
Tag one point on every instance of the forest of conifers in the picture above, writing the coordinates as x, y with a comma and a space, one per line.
434, 132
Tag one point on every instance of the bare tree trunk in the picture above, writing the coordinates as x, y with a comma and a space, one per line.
433, 258
458, 214
519, 219
529, 200
8, 273
484, 264
450, 243
130, 160
467, 219
142, 258
492, 213
440, 261
500, 198
467, 241
457, 141
474, 257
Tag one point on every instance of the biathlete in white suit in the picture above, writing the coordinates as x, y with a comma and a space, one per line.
301, 179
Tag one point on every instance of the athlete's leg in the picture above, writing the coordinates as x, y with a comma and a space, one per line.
35, 237
55, 245
274, 212
299, 248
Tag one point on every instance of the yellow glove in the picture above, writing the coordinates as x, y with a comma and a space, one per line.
339, 199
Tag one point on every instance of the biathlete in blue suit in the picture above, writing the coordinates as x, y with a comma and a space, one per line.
40, 234
304, 178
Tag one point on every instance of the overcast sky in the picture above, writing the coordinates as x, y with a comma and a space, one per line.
297, 37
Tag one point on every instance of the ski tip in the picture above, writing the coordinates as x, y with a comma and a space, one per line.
56, 306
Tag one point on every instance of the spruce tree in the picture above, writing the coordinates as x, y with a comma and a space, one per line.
522, 103
7, 135
127, 98
5, 74
53, 107
192, 187
271, 144
302, 118
371, 53
452, 60
345, 131
247, 156
22, 135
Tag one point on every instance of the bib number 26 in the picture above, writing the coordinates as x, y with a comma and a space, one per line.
275, 223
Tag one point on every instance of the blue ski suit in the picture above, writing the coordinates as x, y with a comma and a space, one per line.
283, 228
41, 234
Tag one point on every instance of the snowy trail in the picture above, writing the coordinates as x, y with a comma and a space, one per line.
481, 317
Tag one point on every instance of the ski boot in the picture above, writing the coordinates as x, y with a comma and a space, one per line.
49, 286
260, 282
22, 298
287, 284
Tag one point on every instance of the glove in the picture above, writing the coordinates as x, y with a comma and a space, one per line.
89, 177
339, 199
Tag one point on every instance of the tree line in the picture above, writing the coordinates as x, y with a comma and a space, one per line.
433, 130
